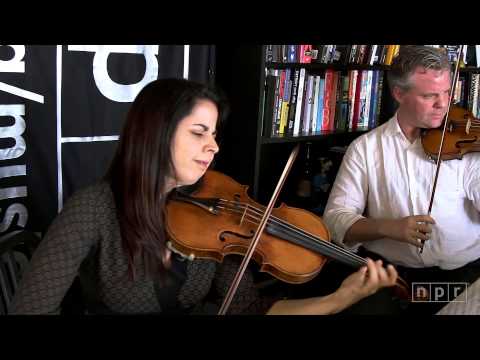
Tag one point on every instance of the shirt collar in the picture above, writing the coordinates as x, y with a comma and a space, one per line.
393, 129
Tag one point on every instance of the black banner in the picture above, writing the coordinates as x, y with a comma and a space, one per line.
61, 111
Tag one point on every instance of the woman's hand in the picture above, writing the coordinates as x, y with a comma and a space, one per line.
365, 282
360, 284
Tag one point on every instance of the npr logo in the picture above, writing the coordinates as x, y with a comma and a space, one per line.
439, 292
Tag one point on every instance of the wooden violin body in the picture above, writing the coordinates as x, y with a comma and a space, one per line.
222, 218
462, 136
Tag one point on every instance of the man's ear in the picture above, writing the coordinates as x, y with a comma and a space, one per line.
398, 94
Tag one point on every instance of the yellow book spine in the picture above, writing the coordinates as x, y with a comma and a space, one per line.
389, 57
396, 51
284, 116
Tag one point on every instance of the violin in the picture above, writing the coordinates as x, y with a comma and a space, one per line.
462, 136
219, 219
458, 136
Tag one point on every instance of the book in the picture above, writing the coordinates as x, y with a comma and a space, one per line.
381, 75
298, 109
352, 88
321, 92
357, 104
333, 100
278, 111
268, 119
293, 101
344, 105
327, 95
286, 102
373, 100
306, 119
389, 55
316, 93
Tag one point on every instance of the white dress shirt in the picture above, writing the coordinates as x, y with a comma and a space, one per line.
385, 176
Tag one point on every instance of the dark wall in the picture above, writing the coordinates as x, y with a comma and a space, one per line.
238, 75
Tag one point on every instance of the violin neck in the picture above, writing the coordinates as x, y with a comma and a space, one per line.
320, 246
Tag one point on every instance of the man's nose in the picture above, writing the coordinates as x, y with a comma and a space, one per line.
442, 101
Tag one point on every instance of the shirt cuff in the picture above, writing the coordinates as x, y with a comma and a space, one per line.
342, 227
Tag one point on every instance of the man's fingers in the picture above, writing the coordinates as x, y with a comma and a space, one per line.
424, 228
415, 240
419, 235
424, 219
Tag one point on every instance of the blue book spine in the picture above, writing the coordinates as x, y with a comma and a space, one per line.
320, 105
373, 100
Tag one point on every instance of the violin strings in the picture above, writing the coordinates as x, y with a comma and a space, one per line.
282, 223
464, 126
310, 236
237, 207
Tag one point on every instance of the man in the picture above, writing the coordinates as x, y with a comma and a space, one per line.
379, 203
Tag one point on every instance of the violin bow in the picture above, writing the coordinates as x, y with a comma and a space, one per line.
439, 160
246, 259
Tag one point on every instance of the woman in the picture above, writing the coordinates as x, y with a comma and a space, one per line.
112, 234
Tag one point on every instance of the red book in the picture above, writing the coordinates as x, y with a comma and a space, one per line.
333, 101
356, 106
307, 54
327, 98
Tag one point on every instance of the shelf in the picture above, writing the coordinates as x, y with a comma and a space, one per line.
313, 66
321, 66
469, 69
310, 137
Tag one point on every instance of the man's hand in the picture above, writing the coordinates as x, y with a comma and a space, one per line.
410, 229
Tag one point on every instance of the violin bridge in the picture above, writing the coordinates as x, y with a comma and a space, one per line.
243, 216
467, 127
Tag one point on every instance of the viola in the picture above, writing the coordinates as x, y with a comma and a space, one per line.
219, 219
462, 136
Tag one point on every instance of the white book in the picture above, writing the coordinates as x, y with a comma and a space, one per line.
298, 110
368, 98
308, 105
477, 54
316, 93
373, 58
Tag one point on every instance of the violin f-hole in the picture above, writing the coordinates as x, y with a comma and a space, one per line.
226, 232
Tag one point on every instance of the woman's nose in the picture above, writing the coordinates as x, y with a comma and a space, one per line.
213, 146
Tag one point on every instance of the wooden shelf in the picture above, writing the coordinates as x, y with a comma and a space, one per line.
310, 137
319, 66
469, 69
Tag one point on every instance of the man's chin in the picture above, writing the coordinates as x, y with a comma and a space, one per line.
434, 124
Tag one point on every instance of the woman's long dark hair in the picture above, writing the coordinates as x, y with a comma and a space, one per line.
143, 161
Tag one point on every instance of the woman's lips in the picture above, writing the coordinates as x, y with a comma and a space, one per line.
202, 163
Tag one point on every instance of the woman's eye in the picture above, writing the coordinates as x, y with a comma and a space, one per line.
196, 133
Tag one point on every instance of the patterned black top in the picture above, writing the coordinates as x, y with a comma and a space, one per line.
85, 239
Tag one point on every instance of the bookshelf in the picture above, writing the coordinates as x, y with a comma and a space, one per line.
256, 157
273, 143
